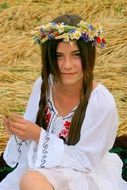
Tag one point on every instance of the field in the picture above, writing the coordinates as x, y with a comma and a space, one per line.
20, 61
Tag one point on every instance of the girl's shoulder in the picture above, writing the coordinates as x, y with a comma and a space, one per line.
38, 81
101, 89
37, 85
101, 96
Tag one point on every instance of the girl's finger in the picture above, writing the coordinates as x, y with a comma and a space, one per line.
9, 131
17, 118
5, 122
7, 128
16, 131
5, 119
16, 115
16, 125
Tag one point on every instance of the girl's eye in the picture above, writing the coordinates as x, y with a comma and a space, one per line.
76, 55
59, 56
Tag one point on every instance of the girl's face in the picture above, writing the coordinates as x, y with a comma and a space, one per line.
69, 63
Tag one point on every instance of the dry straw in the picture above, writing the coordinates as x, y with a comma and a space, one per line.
20, 62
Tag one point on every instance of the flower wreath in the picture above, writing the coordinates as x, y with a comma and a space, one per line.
84, 31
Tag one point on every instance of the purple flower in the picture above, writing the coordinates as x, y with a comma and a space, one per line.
51, 36
85, 37
90, 27
103, 45
72, 31
54, 23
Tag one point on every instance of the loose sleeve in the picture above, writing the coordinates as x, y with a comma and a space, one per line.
98, 134
16, 150
33, 102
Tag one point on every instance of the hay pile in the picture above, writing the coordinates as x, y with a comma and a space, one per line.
20, 60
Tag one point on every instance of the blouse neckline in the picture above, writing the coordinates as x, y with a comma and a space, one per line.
73, 110
51, 100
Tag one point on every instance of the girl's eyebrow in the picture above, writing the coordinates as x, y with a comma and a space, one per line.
59, 52
75, 51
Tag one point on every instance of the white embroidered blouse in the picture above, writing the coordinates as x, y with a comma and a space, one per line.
98, 133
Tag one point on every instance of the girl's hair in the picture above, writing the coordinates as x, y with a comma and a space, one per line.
49, 65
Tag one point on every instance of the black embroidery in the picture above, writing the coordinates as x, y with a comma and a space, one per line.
50, 106
13, 162
45, 147
19, 150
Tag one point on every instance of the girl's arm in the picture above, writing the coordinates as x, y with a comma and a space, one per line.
16, 150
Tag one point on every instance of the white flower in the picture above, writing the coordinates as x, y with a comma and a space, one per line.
47, 26
83, 24
60, 28
64, 36
75, 35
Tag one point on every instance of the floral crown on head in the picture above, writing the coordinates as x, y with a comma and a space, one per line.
83, 31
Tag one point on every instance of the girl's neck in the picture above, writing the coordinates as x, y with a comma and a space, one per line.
65, 98
70, 91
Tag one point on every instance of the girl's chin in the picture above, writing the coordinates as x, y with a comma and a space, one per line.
71, 82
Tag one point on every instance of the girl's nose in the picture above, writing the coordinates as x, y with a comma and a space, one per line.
67, 63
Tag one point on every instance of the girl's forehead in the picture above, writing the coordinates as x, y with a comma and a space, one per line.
68, 46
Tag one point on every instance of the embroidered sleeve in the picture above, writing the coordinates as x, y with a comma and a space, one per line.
16, 152
46, 156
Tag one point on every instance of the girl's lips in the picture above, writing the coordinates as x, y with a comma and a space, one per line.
68, 73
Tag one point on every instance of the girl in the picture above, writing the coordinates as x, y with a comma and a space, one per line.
70, 123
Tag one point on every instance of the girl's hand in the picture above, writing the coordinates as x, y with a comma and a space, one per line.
24, 129
7, 125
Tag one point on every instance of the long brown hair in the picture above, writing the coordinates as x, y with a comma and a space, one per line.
50, 66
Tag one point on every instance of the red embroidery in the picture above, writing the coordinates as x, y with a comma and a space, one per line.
67, 124
47, 116
65, 131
